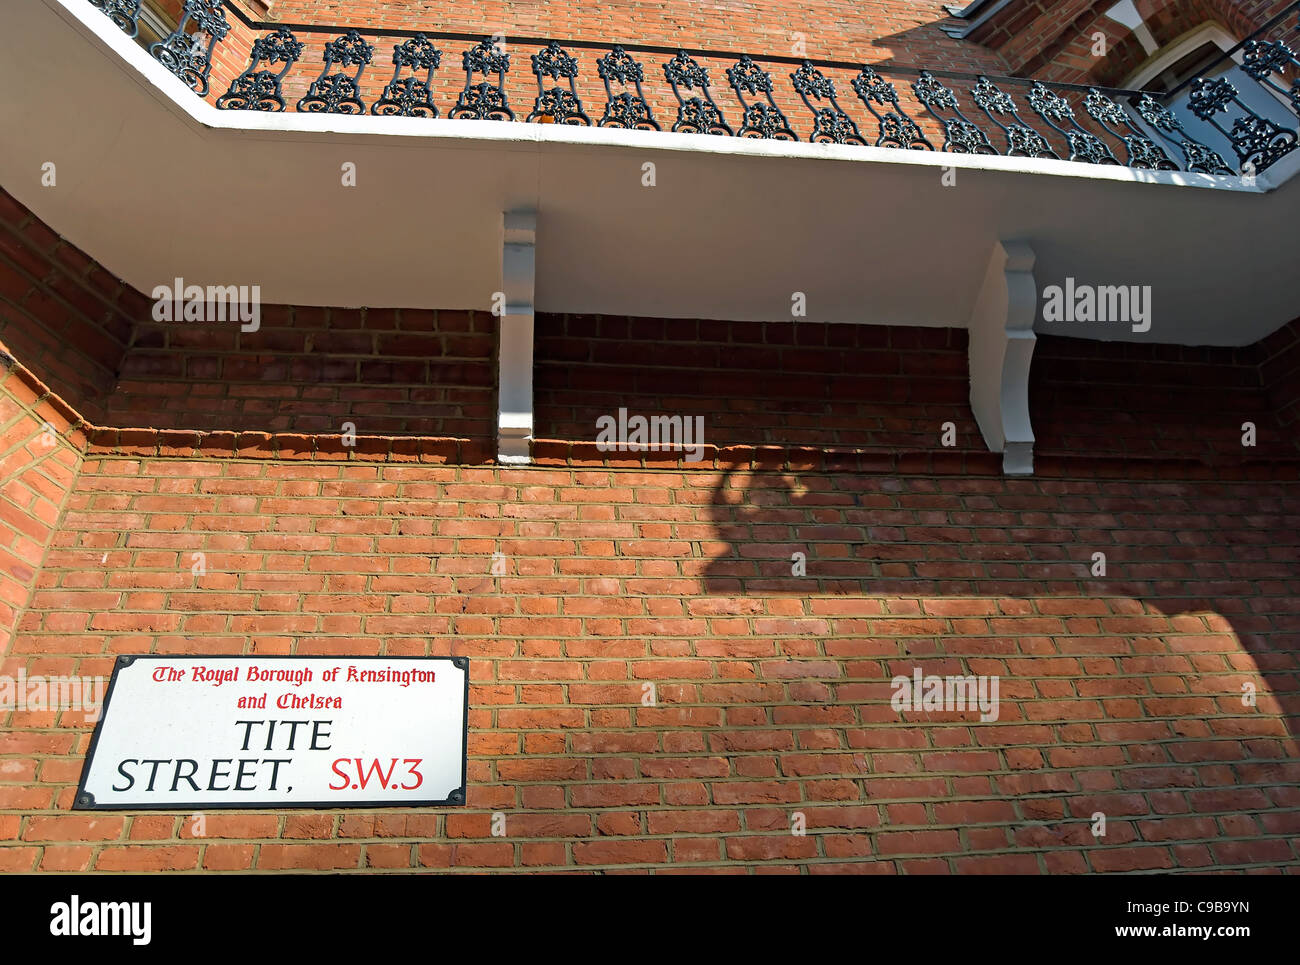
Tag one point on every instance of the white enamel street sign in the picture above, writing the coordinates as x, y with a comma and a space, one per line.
279, 732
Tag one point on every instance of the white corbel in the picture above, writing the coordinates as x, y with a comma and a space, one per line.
515, 352
1001, 349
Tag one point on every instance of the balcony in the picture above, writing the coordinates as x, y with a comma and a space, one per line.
674, 89
875, 193
404, 169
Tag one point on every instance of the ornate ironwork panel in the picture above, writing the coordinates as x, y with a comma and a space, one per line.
483, 101
1022, 140
830, 124
557, 105
896, 128
410, 96
1084, 145
695, 115
1262, 60
960, 136
339, 93
624, 109
124, 13
762, 118
261, 90
1142, 151
1258, 141
1199, 158
183, 53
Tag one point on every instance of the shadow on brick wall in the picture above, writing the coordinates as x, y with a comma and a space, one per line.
1153, 647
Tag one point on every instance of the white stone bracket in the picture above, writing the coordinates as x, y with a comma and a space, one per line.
515, 341
1001, 349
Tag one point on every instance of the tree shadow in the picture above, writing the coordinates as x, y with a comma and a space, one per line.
1113, 686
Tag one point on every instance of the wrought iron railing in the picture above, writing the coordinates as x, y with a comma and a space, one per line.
245, 65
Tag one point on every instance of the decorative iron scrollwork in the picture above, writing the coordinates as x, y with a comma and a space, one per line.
960, 135
339, 93
695, 115
1022, 140
1208, 97
830, 124
124, 13
1262, 60
1258, 142
624, 109
261, 90
483, 101
760, 118
763, 120
183, 53
896, 128
410, 96
1142, 151
556, 105
1199, 157
1084, 146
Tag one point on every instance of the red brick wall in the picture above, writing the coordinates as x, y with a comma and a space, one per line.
1160, 401
774, 383
232, 55
1055, 40
906, 31
309, 370
1119, 694
306, 370
40, 452
1279, 356
891, 390
60, 312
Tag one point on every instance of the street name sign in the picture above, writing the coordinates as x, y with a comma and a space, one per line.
279, 732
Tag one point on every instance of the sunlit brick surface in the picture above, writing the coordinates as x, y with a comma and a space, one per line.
1119, 694
831, 29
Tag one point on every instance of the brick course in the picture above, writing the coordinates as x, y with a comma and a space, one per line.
309, 370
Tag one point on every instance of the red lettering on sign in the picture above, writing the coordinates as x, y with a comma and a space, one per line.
374, 771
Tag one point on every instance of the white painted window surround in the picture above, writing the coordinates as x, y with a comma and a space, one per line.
1126, 13
1172, 52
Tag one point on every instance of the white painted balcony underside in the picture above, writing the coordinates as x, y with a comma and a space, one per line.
156, 184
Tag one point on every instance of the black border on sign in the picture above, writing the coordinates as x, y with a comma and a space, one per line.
86, 802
